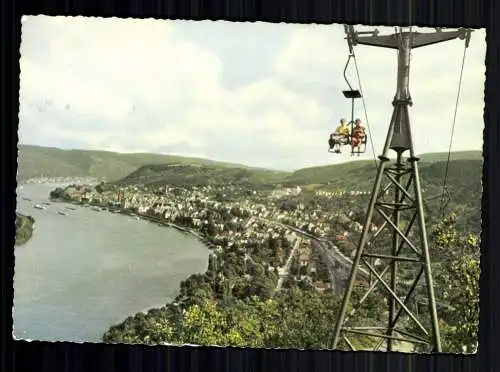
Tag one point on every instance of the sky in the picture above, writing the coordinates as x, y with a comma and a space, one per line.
261, 94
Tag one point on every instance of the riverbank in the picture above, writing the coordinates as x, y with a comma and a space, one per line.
101, 256
131, 213
239, 264
182, 229
24, 228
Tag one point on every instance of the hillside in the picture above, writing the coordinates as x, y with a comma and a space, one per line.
360, 174
457, 155
357, 175
193, 174
37, 161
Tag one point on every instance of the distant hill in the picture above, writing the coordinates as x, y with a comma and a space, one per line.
359, 174
464, 182
196, 174
37, 161
457, 155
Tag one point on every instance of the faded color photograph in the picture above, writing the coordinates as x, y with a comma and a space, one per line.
249, 184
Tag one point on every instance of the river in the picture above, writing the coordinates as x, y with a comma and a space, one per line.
83, 272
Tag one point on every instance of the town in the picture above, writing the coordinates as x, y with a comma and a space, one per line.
271, 229
265, 243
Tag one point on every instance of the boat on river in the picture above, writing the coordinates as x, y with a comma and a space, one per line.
38, 206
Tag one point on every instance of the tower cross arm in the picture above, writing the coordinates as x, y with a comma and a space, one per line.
424, 39
417, 39
385, 41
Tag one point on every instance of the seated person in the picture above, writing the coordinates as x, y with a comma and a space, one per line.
358, 134
340, 136
343, 129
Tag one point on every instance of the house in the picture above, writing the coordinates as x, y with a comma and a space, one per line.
321, 286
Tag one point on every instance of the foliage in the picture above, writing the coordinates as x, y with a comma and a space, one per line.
188, 174
225, 308
458, 284
296, 318
59, 194
461, 325
24, 228
359, 175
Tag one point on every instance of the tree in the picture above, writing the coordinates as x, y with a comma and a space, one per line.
460, 328
99, 188
303, 270
202, 325
322, 272
458, 282
57, 193
263, 287
288, 205
211, 271
294, 319
306, 319
195, 289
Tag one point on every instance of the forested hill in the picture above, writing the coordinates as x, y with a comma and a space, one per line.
359, 175
463, 169
193, 174
51, 162
35, 161
463, 182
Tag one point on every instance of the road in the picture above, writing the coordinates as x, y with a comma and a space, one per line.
329, 253
333, 253
332, 257
284, 272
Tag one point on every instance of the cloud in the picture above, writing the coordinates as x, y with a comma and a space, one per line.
166, 86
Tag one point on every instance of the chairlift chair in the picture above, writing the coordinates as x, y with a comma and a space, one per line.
352, 94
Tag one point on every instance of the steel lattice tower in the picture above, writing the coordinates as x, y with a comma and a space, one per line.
404, 263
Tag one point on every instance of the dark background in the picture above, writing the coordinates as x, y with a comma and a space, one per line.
42, 356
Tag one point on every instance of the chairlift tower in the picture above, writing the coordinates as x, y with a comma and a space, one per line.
408, 253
